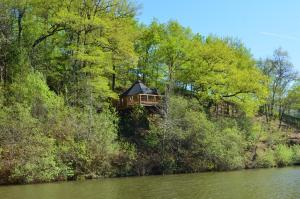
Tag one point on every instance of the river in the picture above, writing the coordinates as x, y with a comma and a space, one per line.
246, 184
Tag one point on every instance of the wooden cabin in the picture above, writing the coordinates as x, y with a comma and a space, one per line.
139, 94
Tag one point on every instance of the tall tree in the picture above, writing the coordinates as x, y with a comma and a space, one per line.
290, 103
174, 51
280, 71
78, 45
224, 70
147, 46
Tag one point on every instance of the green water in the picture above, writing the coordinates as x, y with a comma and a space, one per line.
257, 184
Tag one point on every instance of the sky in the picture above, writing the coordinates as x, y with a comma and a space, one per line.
262, 25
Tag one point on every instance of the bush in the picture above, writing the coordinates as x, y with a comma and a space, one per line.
28, 155
265, 159
284, 155
32, 90
123, 162
42, 140
296, 150
188, 141
88, 144
229, 149
36, 161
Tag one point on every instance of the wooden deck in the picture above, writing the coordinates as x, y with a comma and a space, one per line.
140, 99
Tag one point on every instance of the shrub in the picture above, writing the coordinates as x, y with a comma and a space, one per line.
283, 155
191, 142
265, 158
28, 155
32, 90
231, 147
42, 140
296, 150
123, 161
36, 161
89, 143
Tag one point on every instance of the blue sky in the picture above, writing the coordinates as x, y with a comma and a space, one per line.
262, 25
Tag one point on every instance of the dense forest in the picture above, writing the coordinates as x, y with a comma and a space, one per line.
64, 63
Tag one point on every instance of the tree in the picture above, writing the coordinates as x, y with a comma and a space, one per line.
174, 51
64, 62
281, 74
290, 103
147, 45
164, 52
224, 70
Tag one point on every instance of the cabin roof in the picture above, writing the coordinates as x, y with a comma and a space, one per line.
139, 88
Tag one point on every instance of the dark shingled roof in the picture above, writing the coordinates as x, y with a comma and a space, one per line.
139, 88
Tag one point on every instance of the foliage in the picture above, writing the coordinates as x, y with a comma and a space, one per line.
296, 149
225, 71
281, 75
33, 153
265, 159
292, 100
53, 142
64, 63
283, 155
193, 143
124, 161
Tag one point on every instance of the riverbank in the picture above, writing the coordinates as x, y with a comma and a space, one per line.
89, 91
83, 179
139, 144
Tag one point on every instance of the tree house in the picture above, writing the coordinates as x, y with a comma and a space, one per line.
139, 94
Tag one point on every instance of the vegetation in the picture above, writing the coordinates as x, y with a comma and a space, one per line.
63, 64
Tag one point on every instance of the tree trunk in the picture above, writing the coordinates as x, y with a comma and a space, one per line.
281, 114
113, 84
20, 28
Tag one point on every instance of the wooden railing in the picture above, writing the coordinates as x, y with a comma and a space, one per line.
141, 99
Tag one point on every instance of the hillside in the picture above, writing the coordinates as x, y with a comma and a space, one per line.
209, 104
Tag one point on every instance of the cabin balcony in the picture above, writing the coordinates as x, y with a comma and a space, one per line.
139, 99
